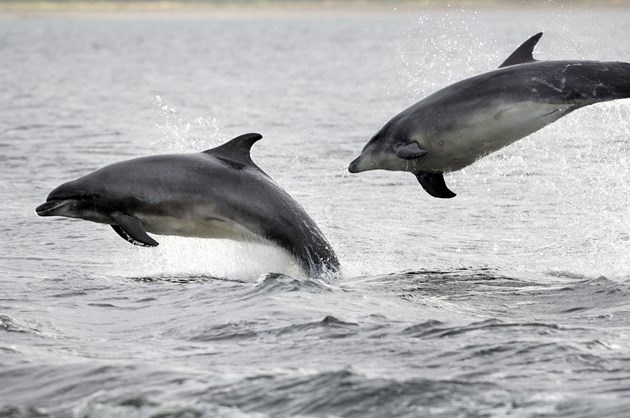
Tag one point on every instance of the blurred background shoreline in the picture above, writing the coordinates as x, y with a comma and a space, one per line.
275, 7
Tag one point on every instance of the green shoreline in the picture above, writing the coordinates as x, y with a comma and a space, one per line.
219, 7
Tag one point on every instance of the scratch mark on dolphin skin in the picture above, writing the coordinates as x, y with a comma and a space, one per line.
546, 83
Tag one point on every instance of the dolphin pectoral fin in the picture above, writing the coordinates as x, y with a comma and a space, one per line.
434, 184
409, 151
131, 229
523, 53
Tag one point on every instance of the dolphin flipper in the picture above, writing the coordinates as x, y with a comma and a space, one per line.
523, 53
131, 229
409, 151
434, 184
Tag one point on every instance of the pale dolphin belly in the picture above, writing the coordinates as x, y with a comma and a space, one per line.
206, 226
480, 133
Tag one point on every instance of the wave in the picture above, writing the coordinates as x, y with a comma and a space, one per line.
12, 324
349, 393
328, 327
275, 282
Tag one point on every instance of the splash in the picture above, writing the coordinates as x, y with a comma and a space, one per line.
440, 49
179, 132
178, 257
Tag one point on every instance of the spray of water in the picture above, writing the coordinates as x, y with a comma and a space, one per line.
179, 132
176, 258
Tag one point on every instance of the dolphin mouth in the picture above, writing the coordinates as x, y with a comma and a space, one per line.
354, 165
53, 207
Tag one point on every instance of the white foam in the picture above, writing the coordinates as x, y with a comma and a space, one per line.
191, 257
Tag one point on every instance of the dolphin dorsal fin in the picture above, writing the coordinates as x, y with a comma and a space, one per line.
237, 149
523, 53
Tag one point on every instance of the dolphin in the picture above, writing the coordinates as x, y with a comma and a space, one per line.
218, 193
455, 126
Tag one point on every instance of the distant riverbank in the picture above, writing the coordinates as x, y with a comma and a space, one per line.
276, 7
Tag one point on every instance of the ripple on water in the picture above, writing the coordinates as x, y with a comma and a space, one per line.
349, 393
12, 324
273, 283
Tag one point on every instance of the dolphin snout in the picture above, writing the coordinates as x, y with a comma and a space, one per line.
62, 199
354, 165
363, 162
54, 207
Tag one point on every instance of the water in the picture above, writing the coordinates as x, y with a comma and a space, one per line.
509, 300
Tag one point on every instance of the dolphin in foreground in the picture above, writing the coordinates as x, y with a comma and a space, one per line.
465, 121
218, 193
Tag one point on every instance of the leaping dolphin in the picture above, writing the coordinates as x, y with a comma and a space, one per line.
218, 193
465, 121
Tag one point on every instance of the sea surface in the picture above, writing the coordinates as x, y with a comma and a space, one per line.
510, 300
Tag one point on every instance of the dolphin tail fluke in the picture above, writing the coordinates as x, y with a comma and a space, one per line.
434, 184
132, 230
